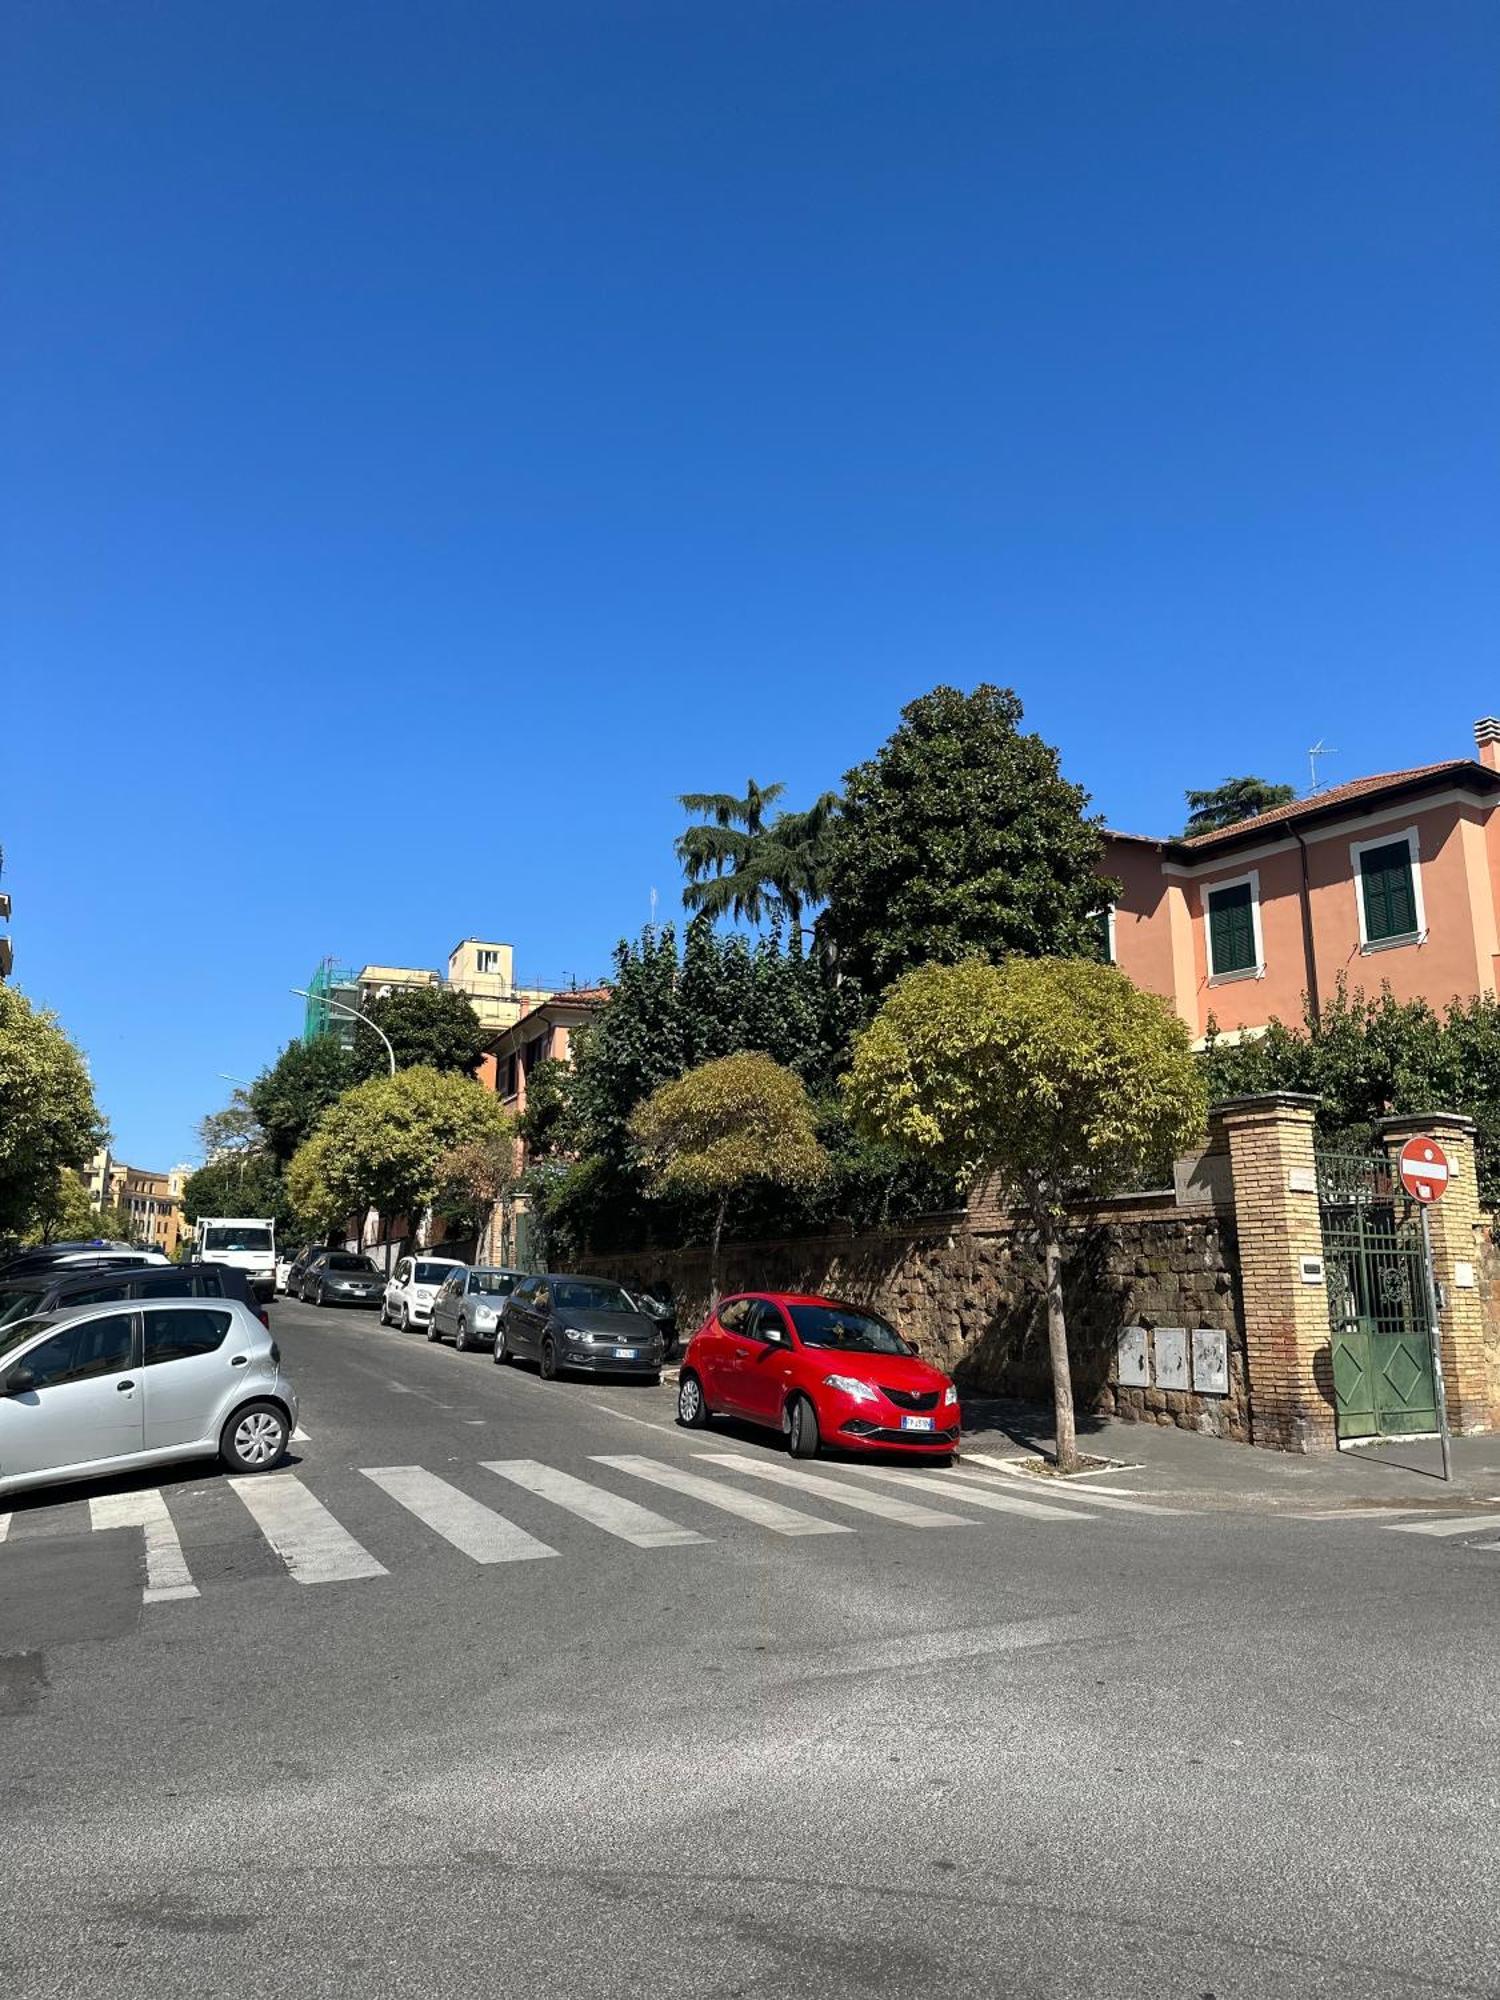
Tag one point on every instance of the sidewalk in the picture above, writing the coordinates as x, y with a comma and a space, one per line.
1396, 1472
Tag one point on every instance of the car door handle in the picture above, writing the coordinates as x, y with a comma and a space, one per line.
121, 1388
741, 1352
238, 1360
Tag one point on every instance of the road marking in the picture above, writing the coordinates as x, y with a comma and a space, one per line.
467, 1523
714, 1493
972, 1495
303, 1533
921, 1649
4, 1526
625, 1518
1472, 1524
907, 1512
1056, 1490
167, 1573
300, 1436
628, 1417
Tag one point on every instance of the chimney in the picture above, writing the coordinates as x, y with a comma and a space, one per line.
1487, 736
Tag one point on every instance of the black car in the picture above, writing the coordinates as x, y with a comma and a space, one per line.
587, 1324
71, 1257
341, 1278
49, 1291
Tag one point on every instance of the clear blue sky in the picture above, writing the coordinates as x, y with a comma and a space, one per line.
437, 435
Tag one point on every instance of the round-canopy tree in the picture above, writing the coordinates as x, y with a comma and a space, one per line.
1055, 1076
724, 1125
48, 1118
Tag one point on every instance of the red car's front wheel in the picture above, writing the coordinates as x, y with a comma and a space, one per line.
802, 1433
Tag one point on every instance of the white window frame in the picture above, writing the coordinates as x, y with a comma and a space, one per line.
1107, 911
1251, 880
1358, 849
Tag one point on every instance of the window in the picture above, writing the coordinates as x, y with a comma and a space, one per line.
765, 1323
489, 961
1234, 946
1104, 931
537, 1048
237, 1239
1388, 891
433, 1274
208, 1285
734, 1316
510, 1077
81, 1352
177, 1333
846, 1330
165, 1285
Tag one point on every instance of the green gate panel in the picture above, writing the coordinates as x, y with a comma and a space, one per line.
1375, 1268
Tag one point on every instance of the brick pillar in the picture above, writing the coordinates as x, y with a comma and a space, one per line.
1454, 1224
1286, 1318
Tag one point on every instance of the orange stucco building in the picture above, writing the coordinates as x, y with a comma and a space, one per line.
1388, 880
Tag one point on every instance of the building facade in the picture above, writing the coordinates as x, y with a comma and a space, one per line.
1388, 880
546, 1032
480, 968
152, 1200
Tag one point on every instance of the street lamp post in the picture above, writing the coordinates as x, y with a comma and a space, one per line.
337, 1007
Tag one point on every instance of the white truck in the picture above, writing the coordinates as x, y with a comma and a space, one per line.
246, 1243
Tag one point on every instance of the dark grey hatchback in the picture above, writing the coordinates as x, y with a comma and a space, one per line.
343, 1278
587, 1324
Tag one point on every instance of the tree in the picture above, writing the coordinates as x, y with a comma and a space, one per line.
725, 1125
386, 1141
115, 1225
291, 1096
737, 865
48, 1118
543, 1125
317, 1208
67, 1215
428, 1027
1234, 800
473, 1177
238, 1184
961, 837
1058, 1077
233, 1132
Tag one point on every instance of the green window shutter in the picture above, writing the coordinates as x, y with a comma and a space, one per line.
1390, 893
1231, 930
1101, 924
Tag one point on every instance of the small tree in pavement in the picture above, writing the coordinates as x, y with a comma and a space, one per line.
1056, 1076
724, 1125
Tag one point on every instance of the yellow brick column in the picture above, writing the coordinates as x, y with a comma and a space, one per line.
1454, 1224
1286, 1316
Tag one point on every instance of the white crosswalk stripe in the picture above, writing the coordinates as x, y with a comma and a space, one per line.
4, 1526
167, 1573
1470, 1524
728, 1499
626, 1519
303, 1533
1085, 1496
478, 1531
969, 1494
907, 1512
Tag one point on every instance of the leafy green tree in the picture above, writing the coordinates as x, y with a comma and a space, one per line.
386, 1141
1057, 1077
473, 1177
544, 1124
48, 1118
714, 850
233, 1132
239, 1184
724, 1125
115, 1225
291, 1096
66, 1214
317, 1210
961, 837
1234, 800
428, 1027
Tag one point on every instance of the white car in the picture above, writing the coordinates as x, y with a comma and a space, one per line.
284, 1265
413, 1287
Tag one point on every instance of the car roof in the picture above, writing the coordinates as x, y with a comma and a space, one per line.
62, 1313
796, 1299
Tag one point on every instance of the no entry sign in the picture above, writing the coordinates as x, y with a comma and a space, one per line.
1424, 1169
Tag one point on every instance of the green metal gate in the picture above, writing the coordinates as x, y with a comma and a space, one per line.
1375, 1268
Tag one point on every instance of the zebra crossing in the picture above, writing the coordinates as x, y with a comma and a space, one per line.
722, 1489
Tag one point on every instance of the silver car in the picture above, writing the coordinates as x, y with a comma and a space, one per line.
105, 1388
467, 1308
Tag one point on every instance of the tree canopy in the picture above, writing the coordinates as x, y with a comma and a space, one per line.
1058, 1078
291, 1096
384, 1144
740, 865
238, 1184
428, 1027
961, 837
48, 1118
1234, 800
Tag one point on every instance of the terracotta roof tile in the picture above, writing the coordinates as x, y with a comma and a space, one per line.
1357, 788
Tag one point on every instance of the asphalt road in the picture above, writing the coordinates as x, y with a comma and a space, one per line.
461, 1735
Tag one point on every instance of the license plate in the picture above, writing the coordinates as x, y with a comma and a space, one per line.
916, 1423
625, 1354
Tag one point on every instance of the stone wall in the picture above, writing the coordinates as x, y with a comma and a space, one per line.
968, 1290
1487, 1272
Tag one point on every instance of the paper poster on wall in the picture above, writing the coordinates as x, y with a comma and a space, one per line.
1210, 1361
1171, 1357
1132, 1363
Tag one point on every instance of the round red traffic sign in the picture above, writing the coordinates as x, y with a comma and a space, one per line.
1424, 1169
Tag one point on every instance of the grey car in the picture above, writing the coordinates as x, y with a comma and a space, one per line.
467, 1308
342, 1278
578, 1323
107, 1388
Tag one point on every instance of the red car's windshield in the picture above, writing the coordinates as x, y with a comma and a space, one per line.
842, 1328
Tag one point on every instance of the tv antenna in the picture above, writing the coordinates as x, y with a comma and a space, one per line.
1319, 749
653, 909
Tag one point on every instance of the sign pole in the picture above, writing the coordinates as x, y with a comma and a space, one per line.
1436, 1341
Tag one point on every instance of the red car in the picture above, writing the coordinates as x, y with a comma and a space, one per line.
821, 1372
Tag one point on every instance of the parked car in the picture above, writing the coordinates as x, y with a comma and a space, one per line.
56, 1291
298, 1264
285, 1260
658, 1308
412, 1288
307, 1277
820, 1372
467, 1307
76, 1257
343, 1278
98, 1389
563, 1322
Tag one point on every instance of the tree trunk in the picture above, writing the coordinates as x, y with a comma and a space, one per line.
713, 1256
1057, 1345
